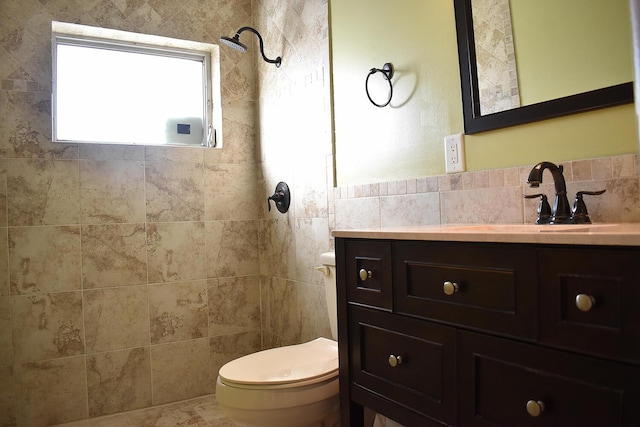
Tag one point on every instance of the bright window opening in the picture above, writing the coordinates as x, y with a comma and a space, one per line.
129, 88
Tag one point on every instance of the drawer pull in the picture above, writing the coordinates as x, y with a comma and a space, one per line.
450, 288
535, 407
365, 274
585, 302
395, 360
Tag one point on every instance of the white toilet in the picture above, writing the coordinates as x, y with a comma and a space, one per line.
293, 386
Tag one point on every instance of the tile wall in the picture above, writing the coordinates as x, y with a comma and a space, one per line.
128, 275
493, 196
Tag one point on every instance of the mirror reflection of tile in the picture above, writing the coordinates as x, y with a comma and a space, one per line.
495, 56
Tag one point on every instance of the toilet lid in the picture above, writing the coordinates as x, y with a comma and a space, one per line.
315, 359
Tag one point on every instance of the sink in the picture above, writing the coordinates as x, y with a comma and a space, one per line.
529, 228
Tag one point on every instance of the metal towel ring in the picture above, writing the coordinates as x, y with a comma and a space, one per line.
387, 72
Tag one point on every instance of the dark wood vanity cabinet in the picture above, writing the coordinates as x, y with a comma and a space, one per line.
488, 334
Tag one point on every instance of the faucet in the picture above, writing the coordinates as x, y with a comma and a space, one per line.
561, 213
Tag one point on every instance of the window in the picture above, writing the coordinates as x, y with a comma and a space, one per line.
115, 87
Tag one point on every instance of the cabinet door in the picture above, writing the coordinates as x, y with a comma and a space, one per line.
589, 301
368, 273
407, 362
495, 285
499, 378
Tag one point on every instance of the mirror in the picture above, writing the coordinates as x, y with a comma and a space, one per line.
597, 94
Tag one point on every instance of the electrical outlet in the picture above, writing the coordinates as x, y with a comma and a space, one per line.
454, 153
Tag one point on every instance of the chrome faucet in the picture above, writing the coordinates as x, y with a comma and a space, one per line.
561, 212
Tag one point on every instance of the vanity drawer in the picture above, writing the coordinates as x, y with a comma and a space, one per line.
494, 286
423, 378
499, 377
607, 279
368, 273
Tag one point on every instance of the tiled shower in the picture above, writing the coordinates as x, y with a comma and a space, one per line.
128, 274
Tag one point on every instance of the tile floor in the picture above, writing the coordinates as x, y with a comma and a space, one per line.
201, 412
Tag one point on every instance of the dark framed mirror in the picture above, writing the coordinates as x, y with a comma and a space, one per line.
476, 121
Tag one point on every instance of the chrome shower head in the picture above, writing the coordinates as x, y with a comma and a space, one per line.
234, 43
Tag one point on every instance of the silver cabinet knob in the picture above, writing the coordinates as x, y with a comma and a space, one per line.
585, 302
450, 288
395, 360
365, 274
535, 407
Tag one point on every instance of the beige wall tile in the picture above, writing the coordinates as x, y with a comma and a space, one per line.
5, 289
277, 247
114, 255
225, 348
112, 191
51, 392
43, 192
174, 191
312, 239
116, 318
411, 209
295, 312
602, 168
623, 166
180, 370
7, 397
28, 127
239, 144
313, 318
3, 184
234, 305
178, 155
231, 192
487, 205
6, 350
358, 213
620, 203
310, 189
176, 251
118, 381
178, 311
280, 300
232, 248
111, 152
44, 259
47, 326
581, 170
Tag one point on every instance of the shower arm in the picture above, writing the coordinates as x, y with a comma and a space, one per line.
276, 61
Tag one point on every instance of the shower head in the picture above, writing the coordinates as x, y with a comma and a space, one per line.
235, 43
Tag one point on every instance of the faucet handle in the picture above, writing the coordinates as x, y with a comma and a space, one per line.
579, 214
544, 209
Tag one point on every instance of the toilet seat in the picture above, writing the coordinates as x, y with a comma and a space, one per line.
292, 366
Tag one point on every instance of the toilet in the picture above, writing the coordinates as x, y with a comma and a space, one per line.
293, 386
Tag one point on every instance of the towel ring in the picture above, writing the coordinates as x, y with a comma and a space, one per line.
387, 72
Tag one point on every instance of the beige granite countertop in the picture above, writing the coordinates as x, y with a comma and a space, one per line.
626, 234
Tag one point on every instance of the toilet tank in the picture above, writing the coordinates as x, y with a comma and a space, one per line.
328, 269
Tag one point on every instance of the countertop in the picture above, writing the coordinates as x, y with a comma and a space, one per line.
624, 234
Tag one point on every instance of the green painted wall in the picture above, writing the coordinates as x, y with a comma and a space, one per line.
570, 46
405, 140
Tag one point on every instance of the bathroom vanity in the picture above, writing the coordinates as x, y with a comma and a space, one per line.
489, 325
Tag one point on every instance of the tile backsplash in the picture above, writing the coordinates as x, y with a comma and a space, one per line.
493, 196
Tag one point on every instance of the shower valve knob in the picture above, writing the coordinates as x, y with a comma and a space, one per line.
281, 197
